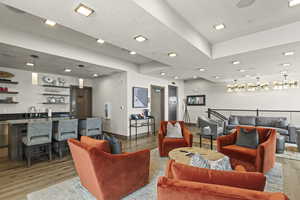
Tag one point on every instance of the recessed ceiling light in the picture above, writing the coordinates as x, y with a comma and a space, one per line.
162, 73
289, 53
286, 64
172, 54
50, 22
80, 65
236, 62
29, 64
293, 3
216, 77
202, 69
219, 26
140, 38
242, 70
100, 41
95, 75
68, 70
132, 52
176, 77
247, 76
84, 10
194, 77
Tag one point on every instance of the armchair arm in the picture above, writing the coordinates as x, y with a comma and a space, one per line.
265, 158
188, 136
226, 140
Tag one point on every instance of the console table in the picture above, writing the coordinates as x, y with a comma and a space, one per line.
138, 123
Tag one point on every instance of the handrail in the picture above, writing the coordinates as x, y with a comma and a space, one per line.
252, 110
258, 111
216, 114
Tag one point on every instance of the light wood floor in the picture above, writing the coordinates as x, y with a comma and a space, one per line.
16, 180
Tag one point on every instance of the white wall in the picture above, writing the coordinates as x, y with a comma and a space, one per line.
31, 95
135, 79
111, 89
218, 97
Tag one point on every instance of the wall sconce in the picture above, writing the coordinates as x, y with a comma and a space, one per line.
34, 78
80, 83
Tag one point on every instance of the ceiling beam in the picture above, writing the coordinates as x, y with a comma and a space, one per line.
261, 40
170, 18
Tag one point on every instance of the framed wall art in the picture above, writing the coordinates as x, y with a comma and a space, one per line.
195, 100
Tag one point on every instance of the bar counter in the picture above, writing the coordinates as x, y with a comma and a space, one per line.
17, 130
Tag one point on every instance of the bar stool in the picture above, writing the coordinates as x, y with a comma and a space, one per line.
39, 135
65, 130
91, 127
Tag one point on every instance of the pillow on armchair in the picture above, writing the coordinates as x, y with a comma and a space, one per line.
248, 139
174, 131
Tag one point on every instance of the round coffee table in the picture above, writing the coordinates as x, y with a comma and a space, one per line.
179, 156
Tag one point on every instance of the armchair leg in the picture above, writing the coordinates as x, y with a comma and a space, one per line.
211, 142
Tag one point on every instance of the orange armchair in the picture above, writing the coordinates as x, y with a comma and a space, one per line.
261, 159
193, 183
109, 176
165, 145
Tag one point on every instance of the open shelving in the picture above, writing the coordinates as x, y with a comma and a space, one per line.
54, 94
8, 92
9, 82
56, 86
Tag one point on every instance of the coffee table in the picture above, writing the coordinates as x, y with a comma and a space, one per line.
180, 157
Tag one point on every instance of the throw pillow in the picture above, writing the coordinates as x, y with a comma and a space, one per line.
233, 120
248, 139
282, 123
174, 131
198, 161
221, 164
115, 145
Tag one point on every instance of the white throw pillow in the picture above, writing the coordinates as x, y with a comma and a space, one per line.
174, 131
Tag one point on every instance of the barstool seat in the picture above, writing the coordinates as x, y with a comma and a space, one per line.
91, 127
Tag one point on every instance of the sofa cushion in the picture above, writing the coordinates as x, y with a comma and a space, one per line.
247, 120
279, 122
247, 180
242, 153
173, 143
247, 138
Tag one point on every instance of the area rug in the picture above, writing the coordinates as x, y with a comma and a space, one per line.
72, 189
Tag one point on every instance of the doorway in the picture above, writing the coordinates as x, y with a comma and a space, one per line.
158, 104
81, 102
173, 102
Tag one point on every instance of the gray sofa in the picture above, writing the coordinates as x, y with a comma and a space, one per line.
279, 123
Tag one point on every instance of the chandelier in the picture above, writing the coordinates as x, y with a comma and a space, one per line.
263, 86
